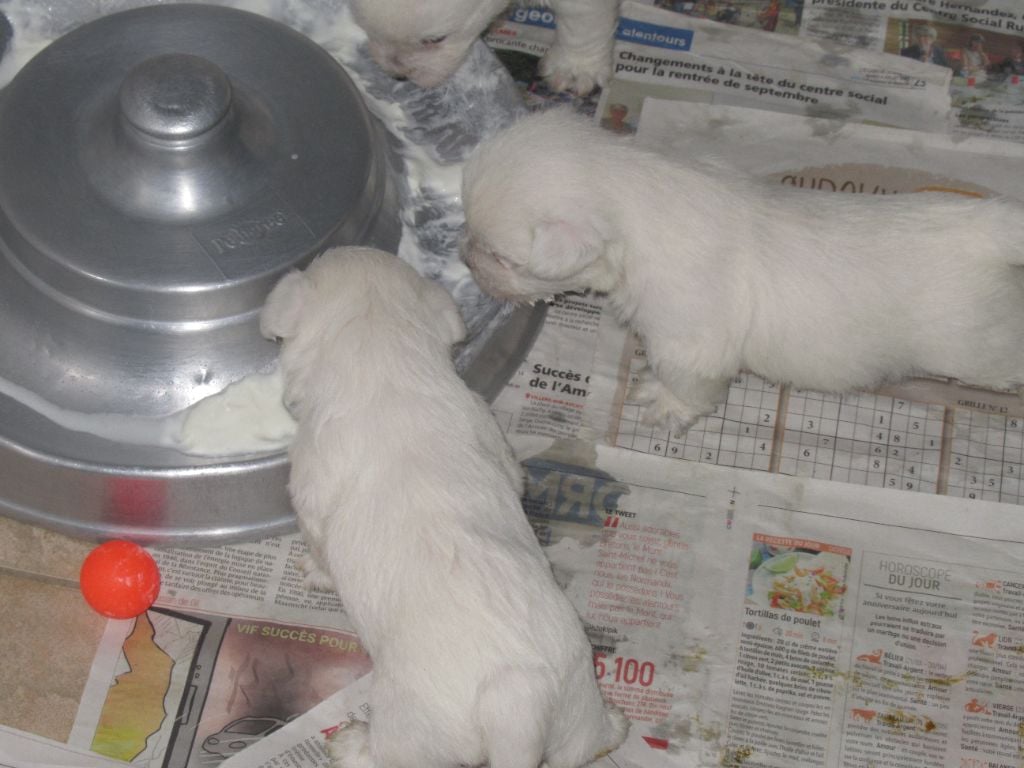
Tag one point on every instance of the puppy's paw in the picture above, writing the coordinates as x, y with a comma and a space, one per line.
668, 413
315, 578
663, 409
618, 729
569, 69
349, 746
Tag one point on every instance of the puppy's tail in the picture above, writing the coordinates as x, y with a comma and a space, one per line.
513, 707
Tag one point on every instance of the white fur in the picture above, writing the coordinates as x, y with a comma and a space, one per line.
718, 273
405, 38
409, 497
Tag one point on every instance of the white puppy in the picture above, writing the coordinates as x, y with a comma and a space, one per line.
409, 497
427, 40
718, 273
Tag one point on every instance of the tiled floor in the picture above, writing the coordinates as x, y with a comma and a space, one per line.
48, 635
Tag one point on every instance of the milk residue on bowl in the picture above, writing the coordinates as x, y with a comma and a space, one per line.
247, 416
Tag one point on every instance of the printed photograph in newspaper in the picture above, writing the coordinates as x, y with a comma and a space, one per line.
781, 16
194, 690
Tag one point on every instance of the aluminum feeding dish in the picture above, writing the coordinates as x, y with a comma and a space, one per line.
161, 168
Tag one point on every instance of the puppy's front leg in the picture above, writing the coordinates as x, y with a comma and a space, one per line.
349, 747
315, 579
581, 56
675, 399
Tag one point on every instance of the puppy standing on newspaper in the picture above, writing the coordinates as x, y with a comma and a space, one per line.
718, 273
427, 40
409, 497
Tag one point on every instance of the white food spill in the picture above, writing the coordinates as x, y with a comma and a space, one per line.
249, 415
246, 416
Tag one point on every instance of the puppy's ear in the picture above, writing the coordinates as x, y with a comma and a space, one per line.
283, 308
561, 248
444, 314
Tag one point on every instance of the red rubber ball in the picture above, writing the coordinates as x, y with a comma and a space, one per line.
119, 579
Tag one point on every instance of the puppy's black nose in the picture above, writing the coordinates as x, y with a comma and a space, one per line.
400, 78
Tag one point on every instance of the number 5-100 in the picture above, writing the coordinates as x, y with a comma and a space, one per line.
627, 671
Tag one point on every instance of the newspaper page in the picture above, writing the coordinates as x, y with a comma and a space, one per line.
935, 65
562, 386
662, 54
752, 619
779, 16
302, 742
980, 43
27, 750
746, 618
234, 649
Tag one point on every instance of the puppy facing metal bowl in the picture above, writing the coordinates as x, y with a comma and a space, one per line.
161, 168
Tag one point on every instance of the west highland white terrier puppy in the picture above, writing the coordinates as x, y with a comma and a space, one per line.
427, 40
409, 498
719, 273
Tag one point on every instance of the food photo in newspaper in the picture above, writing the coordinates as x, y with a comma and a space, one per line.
796, 575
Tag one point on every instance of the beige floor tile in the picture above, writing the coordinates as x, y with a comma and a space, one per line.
47, 642
30, 549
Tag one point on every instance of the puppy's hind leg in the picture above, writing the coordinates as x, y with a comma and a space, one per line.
586, 747
316, 579
513, 712
581, 56
349, 747
617, 729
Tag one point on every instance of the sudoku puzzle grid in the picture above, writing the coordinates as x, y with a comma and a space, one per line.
861, 438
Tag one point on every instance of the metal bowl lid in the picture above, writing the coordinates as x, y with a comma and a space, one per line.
162, 165
160, 169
